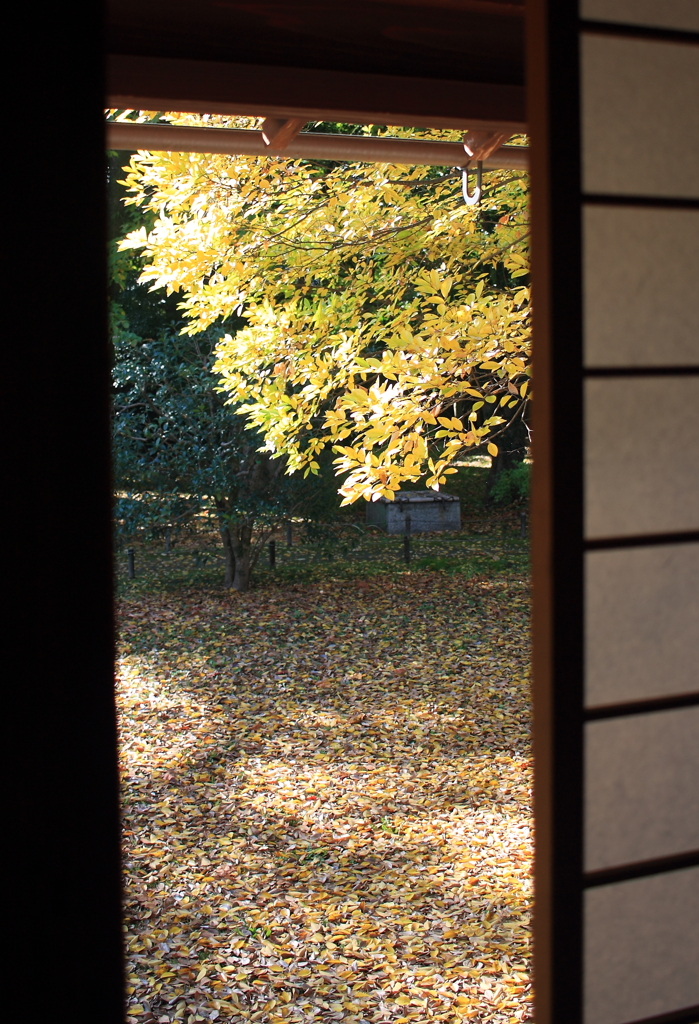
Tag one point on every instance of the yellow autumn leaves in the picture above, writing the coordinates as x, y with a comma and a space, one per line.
383, 318
324, 822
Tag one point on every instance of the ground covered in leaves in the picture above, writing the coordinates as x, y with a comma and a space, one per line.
326, 791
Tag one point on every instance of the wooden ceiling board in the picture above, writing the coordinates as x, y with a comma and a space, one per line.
440, 64
480, 41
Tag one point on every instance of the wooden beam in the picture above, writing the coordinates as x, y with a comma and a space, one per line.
277, 132
480, 145
214, 87
128, 135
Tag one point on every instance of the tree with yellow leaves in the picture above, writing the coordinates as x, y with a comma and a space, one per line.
385, 318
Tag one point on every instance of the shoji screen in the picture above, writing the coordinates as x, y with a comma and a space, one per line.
615, 116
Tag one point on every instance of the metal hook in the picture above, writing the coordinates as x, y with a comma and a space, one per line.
472, 199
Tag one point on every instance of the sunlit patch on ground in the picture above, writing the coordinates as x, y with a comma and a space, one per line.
326, 802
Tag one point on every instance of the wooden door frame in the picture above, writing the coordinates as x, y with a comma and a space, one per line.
63, 737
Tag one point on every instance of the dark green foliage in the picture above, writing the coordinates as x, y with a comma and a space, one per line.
181, 454
511, 485
175, 441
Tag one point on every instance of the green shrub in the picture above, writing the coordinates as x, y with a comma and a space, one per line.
512, 485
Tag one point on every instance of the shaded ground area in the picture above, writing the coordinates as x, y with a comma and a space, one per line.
488, 544
326, 790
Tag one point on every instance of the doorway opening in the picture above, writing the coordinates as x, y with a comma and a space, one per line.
325, 766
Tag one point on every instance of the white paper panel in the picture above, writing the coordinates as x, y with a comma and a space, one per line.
641, 787
677, 14
641, 945
641, 455
641, 623
640, 117
641, 290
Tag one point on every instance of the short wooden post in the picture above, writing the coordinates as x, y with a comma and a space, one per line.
288, 534
131, 563
272, 554
168, 535
523, 524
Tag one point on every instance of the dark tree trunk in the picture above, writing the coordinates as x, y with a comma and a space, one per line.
228, 580
242, 548
512, 449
